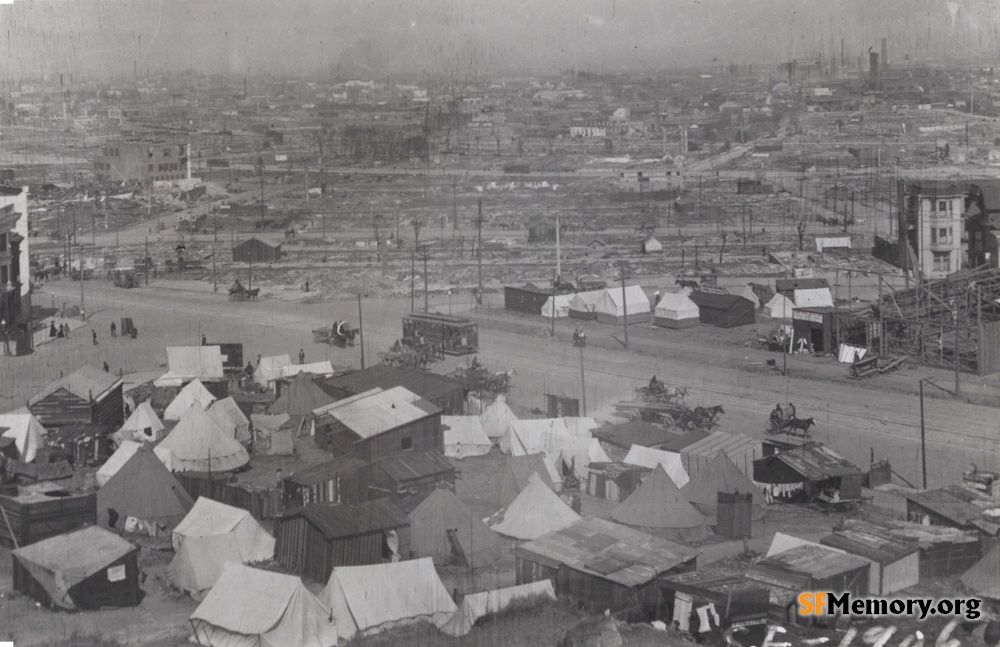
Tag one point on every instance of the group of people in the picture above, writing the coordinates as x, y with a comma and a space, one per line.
62, 332
780, 413
579, 337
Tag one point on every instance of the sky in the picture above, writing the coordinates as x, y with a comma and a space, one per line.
472, 38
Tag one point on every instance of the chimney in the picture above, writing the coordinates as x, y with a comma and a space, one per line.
885, 55
873, 71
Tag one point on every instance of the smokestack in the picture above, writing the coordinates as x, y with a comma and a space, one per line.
873, 71
189, 161
885, 55
244, 88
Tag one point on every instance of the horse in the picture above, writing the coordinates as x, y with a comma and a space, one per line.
253, 294
684, 283
703, 415
801, 424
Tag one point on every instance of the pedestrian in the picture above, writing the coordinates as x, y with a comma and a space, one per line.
791, 410
114, 329
307, 285
107, 369
302, 356
204, 340
93, 334
258, 361
52, 329
62, 331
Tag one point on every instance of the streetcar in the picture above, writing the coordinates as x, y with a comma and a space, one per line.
455, 335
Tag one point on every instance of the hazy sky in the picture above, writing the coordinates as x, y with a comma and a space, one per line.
470, 37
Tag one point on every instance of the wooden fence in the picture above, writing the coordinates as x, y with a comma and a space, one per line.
259, 502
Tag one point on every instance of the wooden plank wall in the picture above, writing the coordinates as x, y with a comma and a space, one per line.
33, 522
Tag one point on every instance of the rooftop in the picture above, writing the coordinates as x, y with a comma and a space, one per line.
423, 383
338, 521
84, 383
376, 411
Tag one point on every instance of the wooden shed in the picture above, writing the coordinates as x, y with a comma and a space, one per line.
256, 250
739, 602
341, 480
723, 310
410, 477
614, 481
43, 510
527, 299
819, 472
313, 540
446, 393
894, 561
87, 396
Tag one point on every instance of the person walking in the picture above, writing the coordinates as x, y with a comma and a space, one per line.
52, 329
302, 356
204, 340
114, 329
93, 334
107, 369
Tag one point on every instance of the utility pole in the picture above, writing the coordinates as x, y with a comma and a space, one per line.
361, 329
624, 305
425, 254
923, 435
146, 263
479, 252
558, 252
583, 384
215, 285
250, 277
555, 278
957, 350
413, 262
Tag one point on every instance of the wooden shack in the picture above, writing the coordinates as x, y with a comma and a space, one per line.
256, 250
614, 481
341, 480
87, 396
313, 540
446, 393
408, 478
42, 510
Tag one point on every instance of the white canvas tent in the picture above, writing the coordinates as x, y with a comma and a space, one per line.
193, 393
315, 368
648, 457
186, 363
561, 302
496, 418
143, 425
198, 563
367, 600
779, 307
782, 543
613, 306
27, 433
464, 436
583, 304
198, 444
813, 298
249, 607
209, 517
125, 451
536, 511
228, 415
271, 368
676, 310
476, 605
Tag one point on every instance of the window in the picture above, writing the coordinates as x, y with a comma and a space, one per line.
3, 242
944, 234
407, 443
934, 235
942, 262
3, 275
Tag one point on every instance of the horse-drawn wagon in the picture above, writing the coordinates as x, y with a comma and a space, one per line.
339, 334
783, 423
239, 293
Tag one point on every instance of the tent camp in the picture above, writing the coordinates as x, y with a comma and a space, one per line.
742, 450
275, 433
720, 475
982, 578
144, 491
198, 563
561, 302
198, 444
779, 307
228, 415
464, 436
650, 458
126, 450
324, 368
210, 518
270, 369
193, 393
536, 511
676, 310
476, 605
571, 447
187, 363
27, 433
367, 600
513, 475
583, 305
723, 310
658, 504
250, 607
613, 306
496, 418
442, 528
143, 425
88, 568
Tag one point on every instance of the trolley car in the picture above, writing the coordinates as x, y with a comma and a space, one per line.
455, 335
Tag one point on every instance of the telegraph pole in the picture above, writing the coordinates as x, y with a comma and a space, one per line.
425, 254
215, 286
146, 263
361, 329
479, 252
624, 305
583, 384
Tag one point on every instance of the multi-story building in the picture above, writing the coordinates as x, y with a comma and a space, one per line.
141, 160
931, 225
15, 267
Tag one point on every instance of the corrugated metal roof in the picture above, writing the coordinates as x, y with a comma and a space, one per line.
375, 412
414, 465
325, 471
731, 444
812, 462
713, 580
947, 504
607, 550
816, 561
788, 285
429, 386
871, 544
83, 383
339, 521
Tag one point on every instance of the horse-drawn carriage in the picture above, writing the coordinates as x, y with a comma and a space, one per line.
410, 356
239, 293
478, 378
126, 280
659, 392
783, 423
339, 334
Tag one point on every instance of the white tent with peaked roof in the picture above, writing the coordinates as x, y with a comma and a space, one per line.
779, 307
198, 444
476, 605
658, 504
27, 433
198, 563
367, 600
676, 310
648, 457
193, 393
464, 436
209, 517
186, 363
249, 607
536, 511
125, 451
613, 306
228, 415
143, 425
497, 417
271, 368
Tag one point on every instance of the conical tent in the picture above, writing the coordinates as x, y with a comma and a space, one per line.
228, 415
194, 393
208, 518
720, 475
198, 444
143, 489
984, 578
658, 504
250, 607
122, 455
513, 477
28, 434
143, 425
496, 418
477, 605
536, 511
370, 599
650, 458
199, 561
440, 522
464, 436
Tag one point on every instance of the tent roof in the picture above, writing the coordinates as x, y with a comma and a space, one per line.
982, 578
199, 561
375, 412
227, 411
324, 369
607, 550
84, 383
477, 605
443, 511
467, 430
717, 301
514, 474
497, 417
429, 386
634, 432
193, 393
720, 475
209, 517
301, 397
536, 511
269, 422
269, 369
198, 444
143, 417
676, 300
585, 300
24, 429
633, 294
78, 554
126, 450
143, 488
657, 503
195, 362
649, 457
